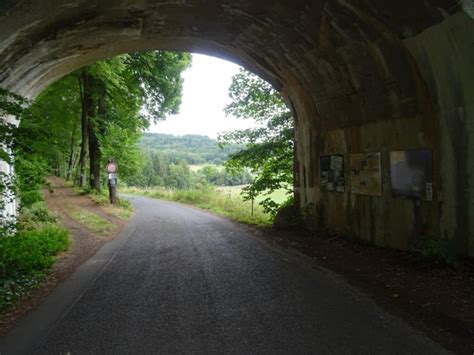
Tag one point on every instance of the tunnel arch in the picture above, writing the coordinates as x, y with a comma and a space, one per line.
359, 75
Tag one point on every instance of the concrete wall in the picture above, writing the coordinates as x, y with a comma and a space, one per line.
445, 57
441, 119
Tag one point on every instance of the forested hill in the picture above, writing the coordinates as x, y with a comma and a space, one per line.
195, 149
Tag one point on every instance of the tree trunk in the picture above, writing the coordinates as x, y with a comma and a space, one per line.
70, 162
96, 126
87, 107
113, 191
95, 156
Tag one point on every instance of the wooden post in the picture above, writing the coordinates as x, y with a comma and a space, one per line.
113, 190
112, 169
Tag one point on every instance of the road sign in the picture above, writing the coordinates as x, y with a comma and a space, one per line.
111, 167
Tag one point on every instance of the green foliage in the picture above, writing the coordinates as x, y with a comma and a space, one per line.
30, 178
30, 197
253, 98
12, 289
179, 176
121, 145
162, 168
48, 138
268, 149
194, 149
123, 210
52, 121
290, 201
135, 88
159, 76
25, 258
102, 198
35, 216
128, 92
12, 109
31, 250
134, 82
440, 249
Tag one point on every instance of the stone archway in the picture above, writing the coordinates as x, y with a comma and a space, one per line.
360, 75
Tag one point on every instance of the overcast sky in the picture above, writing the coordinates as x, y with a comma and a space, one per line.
205, 94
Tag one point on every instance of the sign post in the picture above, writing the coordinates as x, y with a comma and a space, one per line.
112, 169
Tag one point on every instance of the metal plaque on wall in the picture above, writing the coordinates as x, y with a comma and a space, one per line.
331, 169
411, 174
366, 174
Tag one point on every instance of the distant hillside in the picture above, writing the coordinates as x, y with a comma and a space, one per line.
195, 149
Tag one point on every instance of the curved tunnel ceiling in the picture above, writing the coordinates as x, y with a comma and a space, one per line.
323, 55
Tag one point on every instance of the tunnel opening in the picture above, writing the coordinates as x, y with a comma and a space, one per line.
361, 78
200, 130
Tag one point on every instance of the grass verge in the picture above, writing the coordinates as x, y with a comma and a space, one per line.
123, 210
122, 213
221, 203
92, 221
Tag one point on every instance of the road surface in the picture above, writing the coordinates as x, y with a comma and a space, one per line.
180, 280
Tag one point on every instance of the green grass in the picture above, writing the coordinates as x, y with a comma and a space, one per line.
123, 210
119, 212
222, 203
36, 216
25, 259
279, 196
92, 221
27, 254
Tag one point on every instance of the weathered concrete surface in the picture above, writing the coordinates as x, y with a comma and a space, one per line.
360, 76
445, 54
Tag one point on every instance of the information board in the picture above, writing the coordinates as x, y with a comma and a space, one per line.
366, 174
411, 174
331, 169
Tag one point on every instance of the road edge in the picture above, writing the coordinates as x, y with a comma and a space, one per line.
34, 327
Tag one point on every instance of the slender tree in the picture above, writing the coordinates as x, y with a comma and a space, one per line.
130, 91
85, 90
112, 101
269, 149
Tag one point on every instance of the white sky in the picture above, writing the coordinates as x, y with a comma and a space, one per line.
205, 93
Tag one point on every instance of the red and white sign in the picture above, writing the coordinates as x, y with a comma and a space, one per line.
111, 167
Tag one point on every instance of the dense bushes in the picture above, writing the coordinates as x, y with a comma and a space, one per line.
25, 258
160, 172
35, 216
31, 250
30, 179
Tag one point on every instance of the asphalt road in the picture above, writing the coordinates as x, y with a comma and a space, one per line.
180, 280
